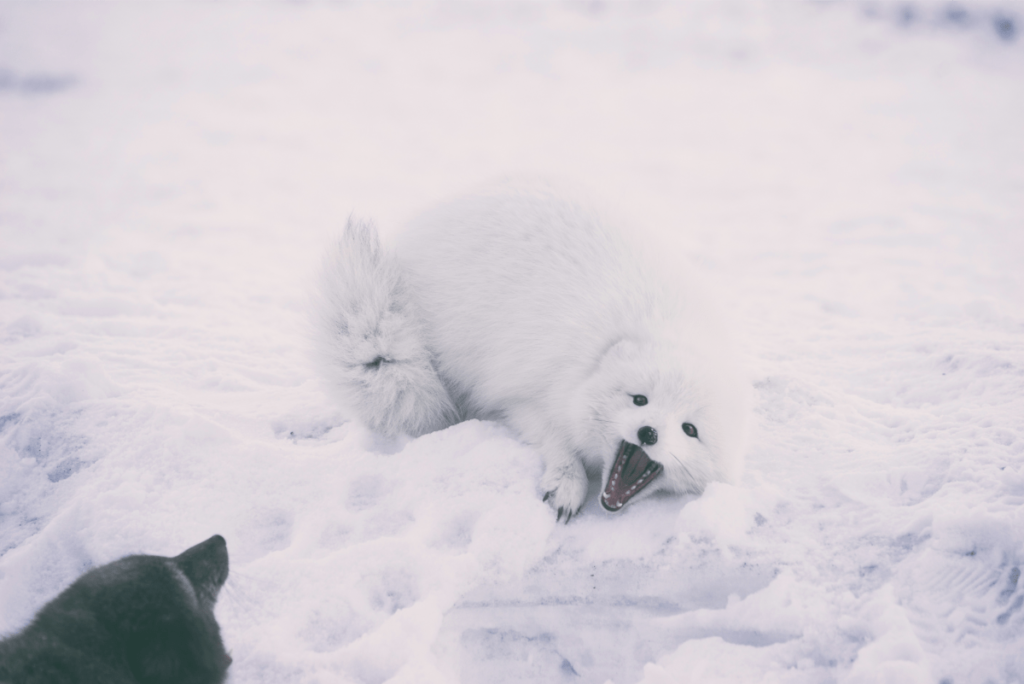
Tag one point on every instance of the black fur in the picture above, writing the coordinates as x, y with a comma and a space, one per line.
139, 620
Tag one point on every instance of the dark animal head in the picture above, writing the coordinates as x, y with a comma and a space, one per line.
161, 609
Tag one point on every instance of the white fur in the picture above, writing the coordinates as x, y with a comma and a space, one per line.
370, 340
520, 305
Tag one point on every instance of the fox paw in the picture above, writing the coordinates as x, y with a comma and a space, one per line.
565, 489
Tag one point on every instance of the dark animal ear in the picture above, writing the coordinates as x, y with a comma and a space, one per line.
206, 566
181, 651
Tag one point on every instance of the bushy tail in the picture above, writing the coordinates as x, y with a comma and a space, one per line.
370, 340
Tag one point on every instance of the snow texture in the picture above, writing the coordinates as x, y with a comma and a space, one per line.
851, 176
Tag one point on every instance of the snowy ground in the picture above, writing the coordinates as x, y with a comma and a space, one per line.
852, 176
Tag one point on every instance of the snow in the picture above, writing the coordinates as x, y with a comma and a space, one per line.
850, 176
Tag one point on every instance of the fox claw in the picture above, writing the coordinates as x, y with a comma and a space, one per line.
567, 512
565, 489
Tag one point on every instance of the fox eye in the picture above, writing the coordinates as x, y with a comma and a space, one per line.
639, 400
690, 429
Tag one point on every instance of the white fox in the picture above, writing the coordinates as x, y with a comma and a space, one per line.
519, 305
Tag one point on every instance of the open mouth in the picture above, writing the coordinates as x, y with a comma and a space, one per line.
631, 472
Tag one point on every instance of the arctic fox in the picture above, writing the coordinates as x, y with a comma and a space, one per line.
522, 304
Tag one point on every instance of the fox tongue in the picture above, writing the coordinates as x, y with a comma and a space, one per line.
631, 472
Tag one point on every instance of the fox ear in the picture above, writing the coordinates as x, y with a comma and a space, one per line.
206, 566
623, 349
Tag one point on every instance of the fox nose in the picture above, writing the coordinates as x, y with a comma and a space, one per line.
647, 435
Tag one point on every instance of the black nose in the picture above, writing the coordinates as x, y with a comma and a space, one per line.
647, 435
